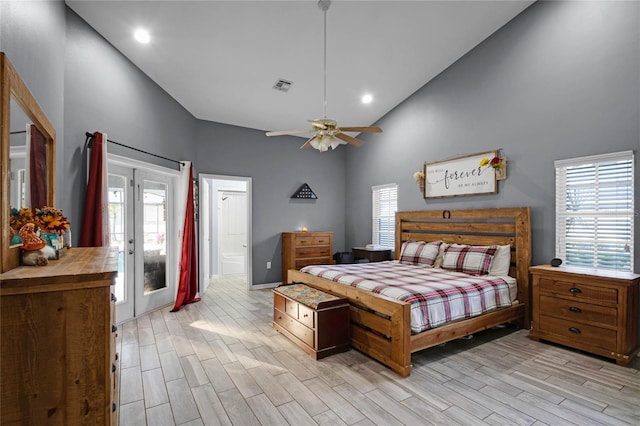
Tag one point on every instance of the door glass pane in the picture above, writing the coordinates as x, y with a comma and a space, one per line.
155, 231
117, 215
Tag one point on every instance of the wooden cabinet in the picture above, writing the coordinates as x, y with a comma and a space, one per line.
300, 249
316, 321
592, 310
58, 363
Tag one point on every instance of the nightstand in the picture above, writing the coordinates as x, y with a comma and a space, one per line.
371, 255
588, 309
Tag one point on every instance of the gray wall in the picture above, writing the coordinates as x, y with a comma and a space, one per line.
561, 80
104, 91
277, 168
32, 36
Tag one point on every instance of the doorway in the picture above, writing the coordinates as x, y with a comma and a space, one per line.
141, 226
225, 228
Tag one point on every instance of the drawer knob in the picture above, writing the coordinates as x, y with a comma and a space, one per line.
575, 330
114, 328
575, 290
113, 407
575, 309
113, 368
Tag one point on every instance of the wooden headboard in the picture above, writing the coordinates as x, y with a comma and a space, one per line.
499, 226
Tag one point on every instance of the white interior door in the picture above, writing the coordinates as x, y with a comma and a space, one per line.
232, 232
141, 227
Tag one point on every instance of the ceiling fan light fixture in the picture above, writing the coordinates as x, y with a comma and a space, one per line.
326, 133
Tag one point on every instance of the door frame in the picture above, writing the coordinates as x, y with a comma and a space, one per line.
172, 272
205, 215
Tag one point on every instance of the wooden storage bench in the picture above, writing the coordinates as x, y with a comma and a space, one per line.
316, 321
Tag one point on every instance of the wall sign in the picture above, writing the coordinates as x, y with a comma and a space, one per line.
460, 176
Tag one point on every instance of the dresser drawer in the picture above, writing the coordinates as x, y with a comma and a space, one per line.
303, 333
579, 290
573, 310
313, 240
578, 334
312, 251
301, 263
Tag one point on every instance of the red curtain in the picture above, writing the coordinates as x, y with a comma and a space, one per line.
93, 232
188, 283
37, 168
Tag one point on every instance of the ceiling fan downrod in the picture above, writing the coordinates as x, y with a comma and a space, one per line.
323, 5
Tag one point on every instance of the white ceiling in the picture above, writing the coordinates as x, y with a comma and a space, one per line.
220, 59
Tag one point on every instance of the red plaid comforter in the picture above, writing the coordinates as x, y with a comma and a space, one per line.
436, 296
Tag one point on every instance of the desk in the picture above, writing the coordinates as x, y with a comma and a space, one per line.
371, 255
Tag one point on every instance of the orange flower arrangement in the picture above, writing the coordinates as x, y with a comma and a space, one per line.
48, 219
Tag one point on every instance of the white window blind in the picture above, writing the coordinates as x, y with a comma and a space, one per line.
594, 211
385, 205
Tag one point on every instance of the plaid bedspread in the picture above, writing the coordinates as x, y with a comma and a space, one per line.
436, 296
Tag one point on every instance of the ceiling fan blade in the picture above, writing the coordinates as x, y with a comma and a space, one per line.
307, 144
317, 124
371, 129
289, 132
349, 139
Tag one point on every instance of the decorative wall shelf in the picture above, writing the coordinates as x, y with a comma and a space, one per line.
304, 192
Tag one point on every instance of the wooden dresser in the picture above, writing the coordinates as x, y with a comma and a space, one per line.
300, 249
316, 321
592, 310
57, 340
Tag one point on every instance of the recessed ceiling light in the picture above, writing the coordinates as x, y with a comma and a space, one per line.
366, 99
142, 36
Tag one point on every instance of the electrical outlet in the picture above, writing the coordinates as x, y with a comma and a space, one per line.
268, 265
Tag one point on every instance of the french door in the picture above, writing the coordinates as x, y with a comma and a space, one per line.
141, 227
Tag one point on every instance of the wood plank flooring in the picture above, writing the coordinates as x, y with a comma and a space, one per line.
219, 362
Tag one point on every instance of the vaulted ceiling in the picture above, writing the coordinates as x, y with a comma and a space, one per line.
221, 59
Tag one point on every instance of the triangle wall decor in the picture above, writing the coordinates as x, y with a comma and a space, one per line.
305, 192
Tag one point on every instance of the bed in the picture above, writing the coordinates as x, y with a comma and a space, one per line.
381, 326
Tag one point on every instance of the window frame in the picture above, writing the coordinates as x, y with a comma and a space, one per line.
376, 191
603, 188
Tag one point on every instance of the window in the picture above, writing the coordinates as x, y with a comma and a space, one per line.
594, 211
385, 205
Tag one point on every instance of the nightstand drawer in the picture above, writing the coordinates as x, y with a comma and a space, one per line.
578, 334
579, 290
313, 251
573, 310
315, 240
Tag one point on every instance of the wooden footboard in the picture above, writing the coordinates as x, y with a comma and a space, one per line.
380, 327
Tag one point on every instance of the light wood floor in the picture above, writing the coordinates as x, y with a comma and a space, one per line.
220, 362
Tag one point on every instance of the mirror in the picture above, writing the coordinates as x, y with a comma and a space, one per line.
28, 150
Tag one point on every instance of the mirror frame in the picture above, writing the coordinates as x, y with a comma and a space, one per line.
12, 86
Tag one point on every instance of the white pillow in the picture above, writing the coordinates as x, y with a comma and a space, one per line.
501, 262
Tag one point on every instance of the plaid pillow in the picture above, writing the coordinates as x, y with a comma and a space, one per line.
419, 253
472, 260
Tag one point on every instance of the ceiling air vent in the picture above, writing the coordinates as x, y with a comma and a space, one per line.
282, 85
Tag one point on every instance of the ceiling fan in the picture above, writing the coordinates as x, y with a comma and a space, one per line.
326, 131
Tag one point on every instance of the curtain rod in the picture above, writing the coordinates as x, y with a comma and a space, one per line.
17, 132
90, 136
